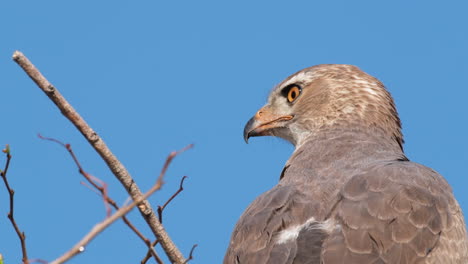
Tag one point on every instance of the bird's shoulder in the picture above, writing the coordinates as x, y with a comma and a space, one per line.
257, 235
395, 212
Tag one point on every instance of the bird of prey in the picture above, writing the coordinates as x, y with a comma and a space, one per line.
348, 194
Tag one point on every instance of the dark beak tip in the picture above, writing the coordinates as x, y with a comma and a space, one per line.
248, 129
246, 139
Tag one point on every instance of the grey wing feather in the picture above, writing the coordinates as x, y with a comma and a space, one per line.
400, 212
255, 237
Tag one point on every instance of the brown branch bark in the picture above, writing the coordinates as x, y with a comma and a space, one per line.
101, 148
11, 214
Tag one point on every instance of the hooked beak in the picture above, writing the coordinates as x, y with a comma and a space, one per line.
263, 122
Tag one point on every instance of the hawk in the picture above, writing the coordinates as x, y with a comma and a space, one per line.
348, 194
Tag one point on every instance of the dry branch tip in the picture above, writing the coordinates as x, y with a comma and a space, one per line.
16, 55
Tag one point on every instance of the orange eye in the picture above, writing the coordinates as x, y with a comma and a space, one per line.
293, 93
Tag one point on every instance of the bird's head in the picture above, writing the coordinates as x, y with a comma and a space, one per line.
321, 97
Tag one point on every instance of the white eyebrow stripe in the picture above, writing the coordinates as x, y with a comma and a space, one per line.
300, 77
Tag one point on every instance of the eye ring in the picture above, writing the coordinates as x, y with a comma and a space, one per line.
292, 93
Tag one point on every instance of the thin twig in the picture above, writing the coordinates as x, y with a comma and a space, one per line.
11, 214
97, 183
148, 254
161, 208
191, 254
98, 228
103, 192
117, 168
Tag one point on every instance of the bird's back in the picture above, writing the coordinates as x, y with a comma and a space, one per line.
359, 202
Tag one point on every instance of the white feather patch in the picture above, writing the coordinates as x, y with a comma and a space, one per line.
289, 234
292, 233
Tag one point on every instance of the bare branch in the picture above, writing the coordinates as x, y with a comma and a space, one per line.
161, 208
98, 228
102, 191
101, 148
11, 215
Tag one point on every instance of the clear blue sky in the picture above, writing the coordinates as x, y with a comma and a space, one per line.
153, 76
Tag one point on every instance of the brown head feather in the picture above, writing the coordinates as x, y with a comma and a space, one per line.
336, 95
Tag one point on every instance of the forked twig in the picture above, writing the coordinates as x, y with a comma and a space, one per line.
97, 183
161, 208
11, 214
